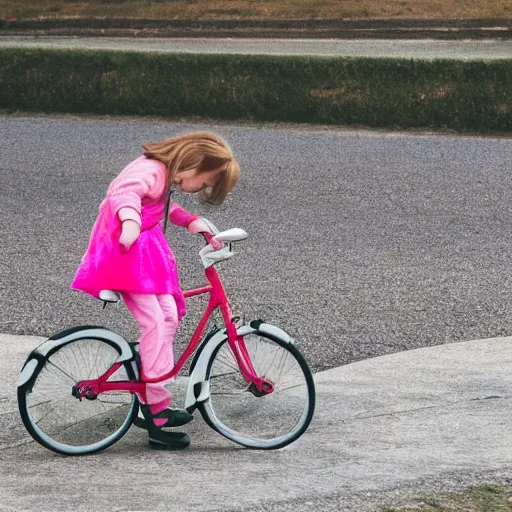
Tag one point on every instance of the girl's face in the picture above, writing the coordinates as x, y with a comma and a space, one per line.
192, 181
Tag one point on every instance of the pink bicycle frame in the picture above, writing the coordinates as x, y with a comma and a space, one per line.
218, 299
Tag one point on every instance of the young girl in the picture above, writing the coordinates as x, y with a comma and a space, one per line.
129, 253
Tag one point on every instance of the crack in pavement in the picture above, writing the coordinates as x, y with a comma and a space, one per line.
406, 411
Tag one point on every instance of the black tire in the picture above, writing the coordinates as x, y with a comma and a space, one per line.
46, 398
245, 418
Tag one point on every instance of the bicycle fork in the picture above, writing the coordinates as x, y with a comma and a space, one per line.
258, 385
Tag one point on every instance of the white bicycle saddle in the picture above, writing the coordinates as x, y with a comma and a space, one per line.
109, 296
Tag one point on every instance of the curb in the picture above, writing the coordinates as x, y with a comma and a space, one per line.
324, 29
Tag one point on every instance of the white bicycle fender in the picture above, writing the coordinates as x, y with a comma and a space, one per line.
275, 332
27, 372
198, 376
199, 372
57, 340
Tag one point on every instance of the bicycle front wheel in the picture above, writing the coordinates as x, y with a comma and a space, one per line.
237, 411
58, 420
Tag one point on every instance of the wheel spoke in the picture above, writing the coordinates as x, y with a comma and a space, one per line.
219, 375
282, 390
33, 406
62, 371
40, 420
231, 393
228, 359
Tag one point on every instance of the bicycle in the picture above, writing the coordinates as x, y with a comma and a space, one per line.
78, 391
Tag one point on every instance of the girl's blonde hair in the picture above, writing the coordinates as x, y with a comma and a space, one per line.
204, 151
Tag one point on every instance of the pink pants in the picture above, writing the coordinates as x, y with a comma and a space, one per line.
157, 317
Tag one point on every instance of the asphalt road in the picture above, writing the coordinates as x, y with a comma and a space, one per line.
424, 49
361, 243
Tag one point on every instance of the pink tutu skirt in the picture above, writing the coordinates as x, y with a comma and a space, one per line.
148, 266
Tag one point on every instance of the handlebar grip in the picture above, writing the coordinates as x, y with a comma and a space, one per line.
207, 236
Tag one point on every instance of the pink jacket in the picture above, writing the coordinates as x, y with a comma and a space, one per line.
141, 186
138, 193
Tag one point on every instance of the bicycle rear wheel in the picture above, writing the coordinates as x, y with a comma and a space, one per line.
238, 412
60, 421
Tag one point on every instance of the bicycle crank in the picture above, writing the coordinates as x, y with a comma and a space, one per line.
88, 394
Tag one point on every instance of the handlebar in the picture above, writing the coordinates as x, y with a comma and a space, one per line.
210, 256
207, 236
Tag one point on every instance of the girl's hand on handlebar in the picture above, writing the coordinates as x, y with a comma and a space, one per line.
199, 226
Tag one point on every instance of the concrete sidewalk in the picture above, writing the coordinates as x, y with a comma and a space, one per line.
380, 423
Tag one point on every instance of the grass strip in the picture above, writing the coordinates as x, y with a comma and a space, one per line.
480, 498
472, 96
